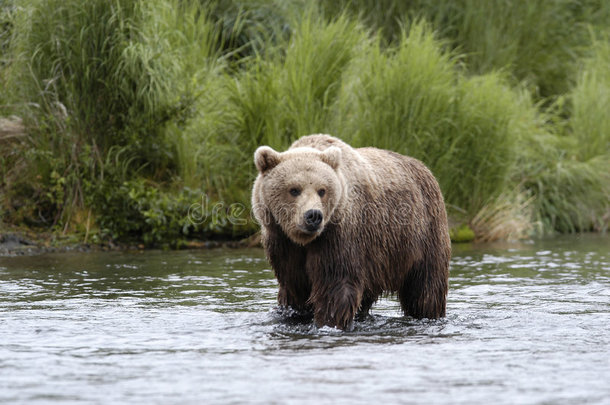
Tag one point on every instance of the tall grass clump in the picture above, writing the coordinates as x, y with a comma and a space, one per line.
304, 77
412, 98
11, 129
570, 195
387, 17
51, 80
590, 100
100, 84
186, 41
399, 97
86, 61
280, 96
569, 170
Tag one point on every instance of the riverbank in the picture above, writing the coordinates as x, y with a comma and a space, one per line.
22, 241
27, 243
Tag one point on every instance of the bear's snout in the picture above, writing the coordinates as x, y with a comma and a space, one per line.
313, 219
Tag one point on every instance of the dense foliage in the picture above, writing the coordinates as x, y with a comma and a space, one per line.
140, 118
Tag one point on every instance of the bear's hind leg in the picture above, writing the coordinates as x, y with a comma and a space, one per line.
423, 293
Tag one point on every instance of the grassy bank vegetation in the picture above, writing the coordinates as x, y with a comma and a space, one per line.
140, 118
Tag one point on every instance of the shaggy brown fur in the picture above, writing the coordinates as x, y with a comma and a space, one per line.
383, 228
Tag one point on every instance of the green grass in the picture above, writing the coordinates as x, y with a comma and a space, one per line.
590, 99
538, 42
278, 97
413, 98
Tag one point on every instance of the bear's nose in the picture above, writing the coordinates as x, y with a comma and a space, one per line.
313, 219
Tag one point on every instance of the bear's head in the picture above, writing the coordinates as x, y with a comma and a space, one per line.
301, 189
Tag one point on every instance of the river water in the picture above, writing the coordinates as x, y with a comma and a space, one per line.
526, 323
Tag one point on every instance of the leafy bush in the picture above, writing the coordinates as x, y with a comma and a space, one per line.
137, 211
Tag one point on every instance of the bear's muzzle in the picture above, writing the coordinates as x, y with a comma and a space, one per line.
313, 219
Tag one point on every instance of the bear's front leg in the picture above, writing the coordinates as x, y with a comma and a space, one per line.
295, 298
336, 305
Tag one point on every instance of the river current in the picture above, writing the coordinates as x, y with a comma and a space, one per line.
527, 323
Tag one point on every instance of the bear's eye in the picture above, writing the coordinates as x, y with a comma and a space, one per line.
295, 192
321, 192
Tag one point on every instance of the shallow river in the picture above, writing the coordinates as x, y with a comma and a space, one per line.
526, 323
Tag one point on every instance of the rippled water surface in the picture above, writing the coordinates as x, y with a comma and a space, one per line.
526, 323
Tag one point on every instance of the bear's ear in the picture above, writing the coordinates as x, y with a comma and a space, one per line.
266, 159
331, 156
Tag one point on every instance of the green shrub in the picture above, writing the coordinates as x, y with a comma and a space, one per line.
139, 211
461, 234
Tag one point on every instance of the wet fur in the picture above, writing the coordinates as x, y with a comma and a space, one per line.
388, 233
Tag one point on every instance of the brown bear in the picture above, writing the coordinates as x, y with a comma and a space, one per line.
341, 226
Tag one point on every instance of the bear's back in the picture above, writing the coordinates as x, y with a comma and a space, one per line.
379, 171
